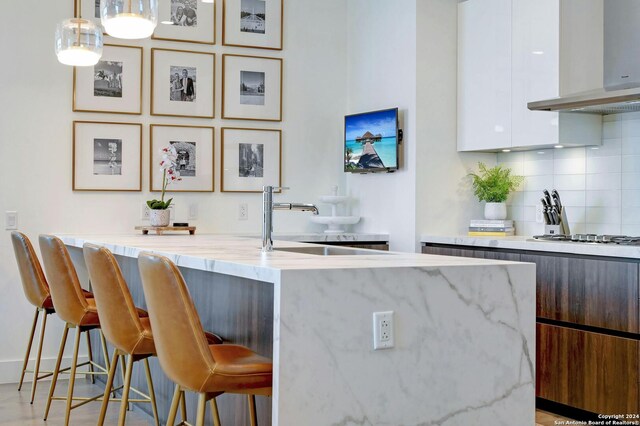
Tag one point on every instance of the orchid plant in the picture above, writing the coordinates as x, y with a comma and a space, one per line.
170, 174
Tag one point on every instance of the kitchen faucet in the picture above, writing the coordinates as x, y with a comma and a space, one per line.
268, 206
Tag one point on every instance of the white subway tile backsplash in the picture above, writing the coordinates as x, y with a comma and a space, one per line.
538, 183
631, 164
603, 198
630, 146
603, 228
600, 188
538, 168
631, 198
570, 182
611, 130
604, 181
630, 181
569, 166
603, 215
603, 164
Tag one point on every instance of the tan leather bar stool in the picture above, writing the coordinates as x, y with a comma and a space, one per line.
123, 327
185, 355
78, 312
36, 290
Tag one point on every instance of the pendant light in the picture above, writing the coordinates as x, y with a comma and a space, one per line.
129, 19
78, 41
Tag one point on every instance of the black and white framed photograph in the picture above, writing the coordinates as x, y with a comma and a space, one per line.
251, 159
191, 21
182, 83
195, 149
252, 23
251, 88
107, 156
113, 85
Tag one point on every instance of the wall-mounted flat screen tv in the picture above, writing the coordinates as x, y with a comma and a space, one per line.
371, 141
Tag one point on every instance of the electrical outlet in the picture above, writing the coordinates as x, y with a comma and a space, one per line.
10, 220
243, 211
383, 336
193, 211
539, 216
145, 212
172, 213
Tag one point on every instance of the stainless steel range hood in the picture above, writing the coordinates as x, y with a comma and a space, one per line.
621, 86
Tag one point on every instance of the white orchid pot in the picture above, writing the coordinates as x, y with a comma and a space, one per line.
160, 217
495, 211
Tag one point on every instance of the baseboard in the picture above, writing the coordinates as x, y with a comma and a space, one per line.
10, 370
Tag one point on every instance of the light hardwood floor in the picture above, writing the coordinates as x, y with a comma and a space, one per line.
15, 409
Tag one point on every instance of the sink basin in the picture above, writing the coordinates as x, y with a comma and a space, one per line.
331, 251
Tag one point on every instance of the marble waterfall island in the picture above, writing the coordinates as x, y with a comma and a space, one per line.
464, 329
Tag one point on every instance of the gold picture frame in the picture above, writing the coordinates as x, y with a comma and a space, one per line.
153, 165
257, 185
214, 27
82, 102
154, 79
238, 114
226, 28
94, 175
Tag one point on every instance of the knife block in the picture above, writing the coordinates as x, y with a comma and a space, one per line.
562, 228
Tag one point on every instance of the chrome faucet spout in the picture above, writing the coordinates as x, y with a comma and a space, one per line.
268, 206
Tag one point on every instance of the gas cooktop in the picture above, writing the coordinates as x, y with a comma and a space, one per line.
591, 238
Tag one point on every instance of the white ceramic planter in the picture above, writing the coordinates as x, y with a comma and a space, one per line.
495, 211
160, 217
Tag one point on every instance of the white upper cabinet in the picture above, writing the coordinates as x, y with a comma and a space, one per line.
536, 37
484, 74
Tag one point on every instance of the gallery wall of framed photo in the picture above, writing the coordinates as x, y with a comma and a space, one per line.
209, 82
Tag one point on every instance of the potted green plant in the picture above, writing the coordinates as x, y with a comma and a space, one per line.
493, 185
160, 214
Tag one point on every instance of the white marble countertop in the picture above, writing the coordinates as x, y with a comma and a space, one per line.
528, 243
242, 256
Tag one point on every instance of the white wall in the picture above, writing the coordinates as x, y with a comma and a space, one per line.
35, 136
444, 199
382, 74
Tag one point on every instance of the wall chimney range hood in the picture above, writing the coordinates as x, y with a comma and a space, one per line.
621, 86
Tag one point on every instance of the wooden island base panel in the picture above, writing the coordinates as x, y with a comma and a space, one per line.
588, 331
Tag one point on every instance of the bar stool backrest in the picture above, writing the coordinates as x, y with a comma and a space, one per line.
182, 348
119, 317
66, 292
33, 280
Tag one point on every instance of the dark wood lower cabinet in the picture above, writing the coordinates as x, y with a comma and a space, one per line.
591, 371
371, 246
588, 331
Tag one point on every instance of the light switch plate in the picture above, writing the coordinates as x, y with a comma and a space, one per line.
11, 220
193, 211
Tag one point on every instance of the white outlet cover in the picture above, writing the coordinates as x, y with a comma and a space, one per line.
383, 330
11, 220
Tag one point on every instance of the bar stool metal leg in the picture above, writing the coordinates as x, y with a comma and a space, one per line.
26, 355
72, 377
90, 355
56, 370
252, 410
214, 412
125, 392
109, 385
183, 400
36, 370
152, 393
202, 409
177, 396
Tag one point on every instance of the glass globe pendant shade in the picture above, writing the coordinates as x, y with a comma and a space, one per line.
78, 42
129, 19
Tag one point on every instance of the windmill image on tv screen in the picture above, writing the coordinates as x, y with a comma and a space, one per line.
371, 141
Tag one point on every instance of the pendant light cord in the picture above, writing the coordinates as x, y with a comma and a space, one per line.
78, 10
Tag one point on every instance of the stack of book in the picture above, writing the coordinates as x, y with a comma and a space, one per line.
491, 228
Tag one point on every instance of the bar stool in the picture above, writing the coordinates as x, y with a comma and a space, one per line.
36, 290
184, 354
123, 327
78, 312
